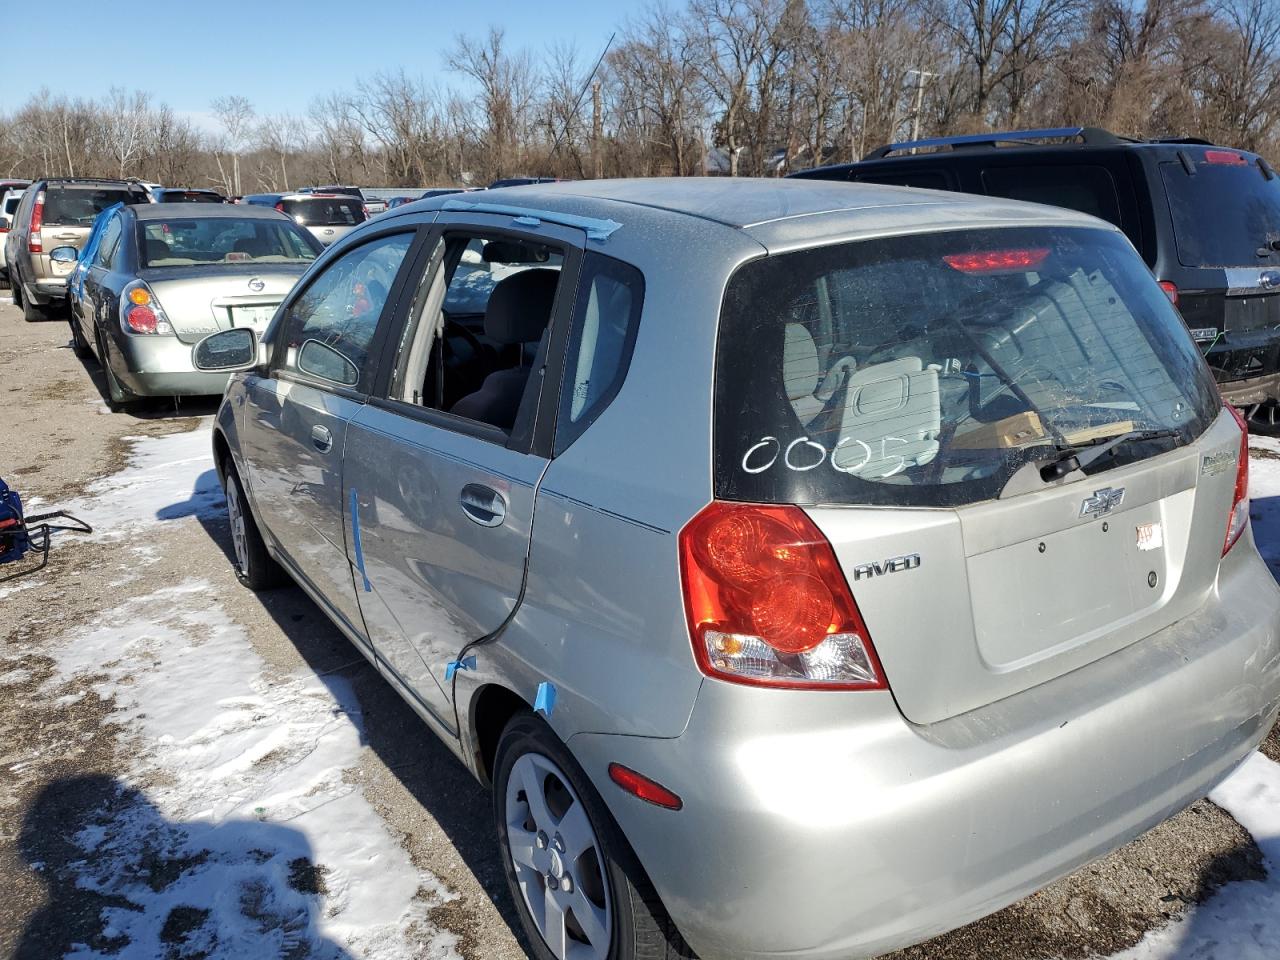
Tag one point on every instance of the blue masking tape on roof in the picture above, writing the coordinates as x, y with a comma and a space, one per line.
545, 701
453, 666
596, 228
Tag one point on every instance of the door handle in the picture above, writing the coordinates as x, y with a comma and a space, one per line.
483, 505
321, 438
66, 236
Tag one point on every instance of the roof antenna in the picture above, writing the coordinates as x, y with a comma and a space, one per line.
555, 144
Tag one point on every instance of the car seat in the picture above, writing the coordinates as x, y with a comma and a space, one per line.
892, 419
518, 312
157, 250
807, 389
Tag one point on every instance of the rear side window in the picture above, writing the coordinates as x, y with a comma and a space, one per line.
1225, 213
326, 211
108, 243
925, 371
1084, 187
80, 206
605, 321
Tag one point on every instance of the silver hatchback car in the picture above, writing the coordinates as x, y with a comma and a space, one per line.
809, 568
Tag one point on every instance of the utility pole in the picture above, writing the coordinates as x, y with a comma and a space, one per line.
922, 76
597, 131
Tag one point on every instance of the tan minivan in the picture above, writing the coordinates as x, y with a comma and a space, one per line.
57, 212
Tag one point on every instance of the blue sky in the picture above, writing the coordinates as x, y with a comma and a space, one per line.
278, 53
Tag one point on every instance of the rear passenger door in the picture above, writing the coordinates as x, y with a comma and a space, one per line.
443, 464
325, 350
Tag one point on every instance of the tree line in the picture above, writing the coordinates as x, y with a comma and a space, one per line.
742, 87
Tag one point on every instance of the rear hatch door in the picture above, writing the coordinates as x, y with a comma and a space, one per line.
1225, 211
910, 392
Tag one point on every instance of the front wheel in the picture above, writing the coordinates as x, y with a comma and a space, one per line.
578, 887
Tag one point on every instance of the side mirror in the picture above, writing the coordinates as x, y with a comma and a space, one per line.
64, 254
4, 223
321, 360
226, 351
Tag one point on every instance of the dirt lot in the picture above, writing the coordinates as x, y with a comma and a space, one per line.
71, 751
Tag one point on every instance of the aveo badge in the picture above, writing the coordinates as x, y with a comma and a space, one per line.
1102, 502
893, 565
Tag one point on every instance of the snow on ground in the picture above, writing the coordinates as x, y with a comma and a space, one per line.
166, 478
1242, 921
240, 815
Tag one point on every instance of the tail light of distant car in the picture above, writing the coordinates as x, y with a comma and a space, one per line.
35, 243
768, 604
140, 311
365, 208
1170, 290
1238, 518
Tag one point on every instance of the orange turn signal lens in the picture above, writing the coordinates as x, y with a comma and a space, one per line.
139, 296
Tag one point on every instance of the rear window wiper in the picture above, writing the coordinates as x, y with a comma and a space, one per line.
1080, 455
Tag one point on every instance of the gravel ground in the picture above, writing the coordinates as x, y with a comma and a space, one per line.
64, 755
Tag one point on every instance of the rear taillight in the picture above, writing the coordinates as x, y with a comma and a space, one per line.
768, 604
1238, 518
140, 312
1170, 290
35, 243
280, 207
365, 208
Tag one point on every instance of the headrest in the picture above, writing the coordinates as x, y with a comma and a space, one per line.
157, 250
799, 362
520, 306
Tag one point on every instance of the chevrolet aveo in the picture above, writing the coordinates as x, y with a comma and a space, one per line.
809, 568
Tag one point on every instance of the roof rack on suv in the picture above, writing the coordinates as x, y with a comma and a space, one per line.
1089, 135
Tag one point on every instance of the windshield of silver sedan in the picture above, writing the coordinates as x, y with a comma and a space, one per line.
193, 242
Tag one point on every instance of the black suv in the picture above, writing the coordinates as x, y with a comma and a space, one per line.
1205, 218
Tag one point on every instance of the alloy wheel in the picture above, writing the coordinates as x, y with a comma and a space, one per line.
1263, 418
558, 862
235, 514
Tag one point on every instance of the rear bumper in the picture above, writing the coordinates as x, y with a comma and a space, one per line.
1243, 393
1247, 366
43, 292
161, 367
825, 826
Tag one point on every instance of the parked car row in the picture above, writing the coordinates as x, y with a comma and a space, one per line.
880, 558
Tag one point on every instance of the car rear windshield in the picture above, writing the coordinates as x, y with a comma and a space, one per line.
325, 211
80, 206
926, 370
1225, 213
193, 241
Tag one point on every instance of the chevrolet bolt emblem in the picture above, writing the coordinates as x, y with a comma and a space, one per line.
1102, 502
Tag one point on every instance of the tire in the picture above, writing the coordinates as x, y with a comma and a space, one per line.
32, 313
605, 882
253, 565
119, 398
79, 345
15, 289
1263, 418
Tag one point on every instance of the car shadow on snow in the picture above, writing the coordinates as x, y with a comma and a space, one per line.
122, 879
433, 776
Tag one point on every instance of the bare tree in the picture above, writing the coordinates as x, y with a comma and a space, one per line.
235, 116
127, 118
508, 87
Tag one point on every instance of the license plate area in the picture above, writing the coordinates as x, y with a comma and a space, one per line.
255, 317
1040, 596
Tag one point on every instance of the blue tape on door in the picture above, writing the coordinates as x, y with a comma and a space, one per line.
545, 701
355, 539
453, 666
